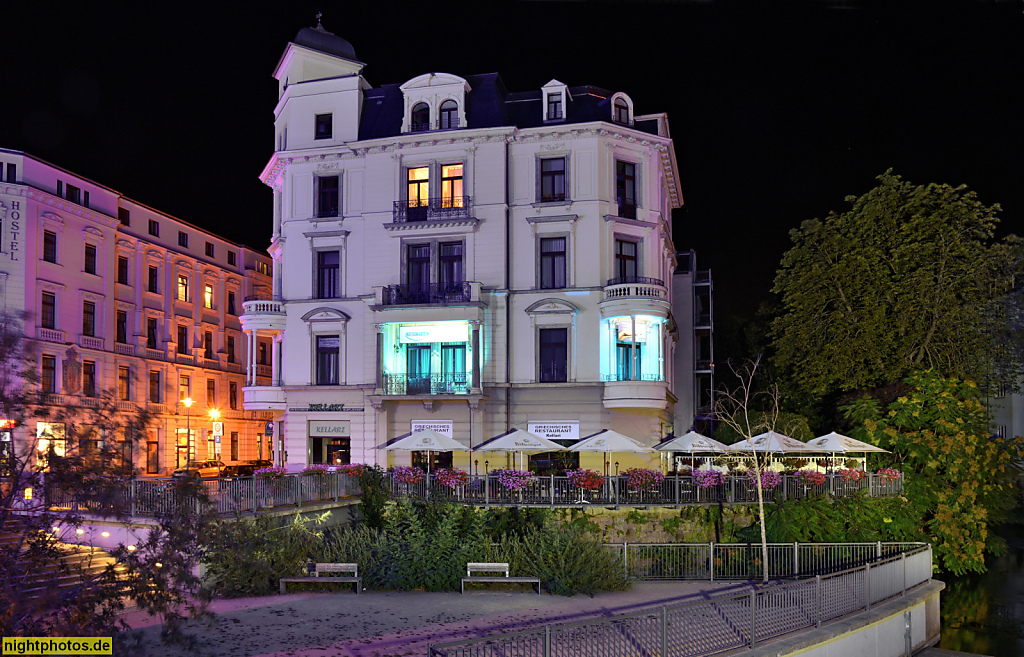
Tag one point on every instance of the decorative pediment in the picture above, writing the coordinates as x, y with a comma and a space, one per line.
324, 314
51, 216
552, 306
96, 232
434, 80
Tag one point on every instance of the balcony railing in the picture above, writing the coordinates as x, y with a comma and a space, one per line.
154, 354
124, 349
635, 287
622, 377
448, 124
265, 370
453, 207
90, 342
427, 384
51, 335
262, 306
434, 293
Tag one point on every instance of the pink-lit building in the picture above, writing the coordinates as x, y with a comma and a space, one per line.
124, 298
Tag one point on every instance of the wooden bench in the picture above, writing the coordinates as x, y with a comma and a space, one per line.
494, 568
330, 579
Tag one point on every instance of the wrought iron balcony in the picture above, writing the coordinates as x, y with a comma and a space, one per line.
453, 207
448, 124
427, 384
434, 293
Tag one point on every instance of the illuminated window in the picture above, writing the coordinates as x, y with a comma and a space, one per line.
182, 288
418, 187
51, 441
451, 186
208, 296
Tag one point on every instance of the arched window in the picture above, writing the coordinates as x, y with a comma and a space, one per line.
620, 111
420, 117
449, 115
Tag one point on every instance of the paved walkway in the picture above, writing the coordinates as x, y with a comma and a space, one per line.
381, 623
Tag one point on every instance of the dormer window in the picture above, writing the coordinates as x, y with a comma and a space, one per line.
621, 112
420, 117
449, 115
622, 109
554, 105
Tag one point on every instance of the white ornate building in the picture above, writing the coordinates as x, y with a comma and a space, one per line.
123, 298
452, 254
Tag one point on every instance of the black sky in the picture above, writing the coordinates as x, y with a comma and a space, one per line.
778, 109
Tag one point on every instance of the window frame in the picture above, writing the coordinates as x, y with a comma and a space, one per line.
90, 388
559, 105
182, 288
211, 250
318, 196
155, 390
89, 259
231, 258
121, 328
323, 126
323, 373
124, 382
153, 279
541, 239
154, 228
48, 322
541, 330
123, 273
182, 346
182, 239
448, 114
321, 290
48, 374
209, 296
50, 249
618, 259
152, 333
419, 108
542, 176
89, 318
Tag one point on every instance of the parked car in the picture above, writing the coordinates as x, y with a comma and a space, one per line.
238, 470
260, 463
202, 469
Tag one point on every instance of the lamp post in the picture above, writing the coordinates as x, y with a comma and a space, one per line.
214, 414
187, 401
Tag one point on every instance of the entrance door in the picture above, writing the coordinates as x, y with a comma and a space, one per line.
418, 369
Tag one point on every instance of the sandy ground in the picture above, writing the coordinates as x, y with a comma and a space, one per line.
381, 623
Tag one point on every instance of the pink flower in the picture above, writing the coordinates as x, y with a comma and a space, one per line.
708, 478
406, 474
644, 479
585, 479
451, 478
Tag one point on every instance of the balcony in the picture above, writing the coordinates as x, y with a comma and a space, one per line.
431, 294
50, 335
124, 349
263, 398
646, 393
427, 384
263, 313
90, 342
436, 209
635, 295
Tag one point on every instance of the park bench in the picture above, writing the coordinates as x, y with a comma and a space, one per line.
474, 567
330, 579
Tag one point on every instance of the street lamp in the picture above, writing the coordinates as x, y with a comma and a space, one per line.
188, 401
214, 414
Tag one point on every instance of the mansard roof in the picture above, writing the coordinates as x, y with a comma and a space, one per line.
490, 105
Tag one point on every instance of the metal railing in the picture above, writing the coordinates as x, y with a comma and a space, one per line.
451, 207
723, 623
457, 383
642, 280
675, 490
431, 293
157, 496
622, 376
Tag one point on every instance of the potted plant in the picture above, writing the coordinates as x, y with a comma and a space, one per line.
644, 480
584, 481
514, 480
316, 474
453, 478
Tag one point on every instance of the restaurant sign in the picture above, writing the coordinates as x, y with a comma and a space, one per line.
555, 430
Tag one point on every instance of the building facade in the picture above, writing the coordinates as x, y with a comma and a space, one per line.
449, 254
122, 298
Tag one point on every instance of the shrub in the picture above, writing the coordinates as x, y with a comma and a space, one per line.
567, 560
708, 478
585, 479
272, 472
451, 478
406, 474
644, 479
770, 479
514, 480
809, 478
374, 485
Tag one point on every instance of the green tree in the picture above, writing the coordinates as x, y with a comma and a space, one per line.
910, 277
958, 478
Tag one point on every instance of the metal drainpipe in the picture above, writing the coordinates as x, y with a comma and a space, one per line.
508, 291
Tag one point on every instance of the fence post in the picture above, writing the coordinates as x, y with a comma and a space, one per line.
298, 492
711, 560
547, 641
753, 619
677, 489
625, 558
134, 493
732, 489
796, 560
867, 586
552, 490
817, 600
903, 561
878, 550
664, 631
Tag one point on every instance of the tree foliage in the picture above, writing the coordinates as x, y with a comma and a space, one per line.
75, 470
910, 277
958, 478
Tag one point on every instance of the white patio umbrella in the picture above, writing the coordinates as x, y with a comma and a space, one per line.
693, 443
771, 443
520, 441
426, 440
836, 443
608, 441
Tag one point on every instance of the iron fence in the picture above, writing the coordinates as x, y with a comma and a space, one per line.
721, 624
159, 496
675, 490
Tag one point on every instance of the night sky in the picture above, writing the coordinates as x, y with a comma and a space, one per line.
778, 109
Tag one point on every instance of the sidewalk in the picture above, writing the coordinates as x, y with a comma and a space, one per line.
384, 623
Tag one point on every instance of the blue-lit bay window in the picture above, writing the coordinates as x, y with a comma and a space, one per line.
632, 348
427, 358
